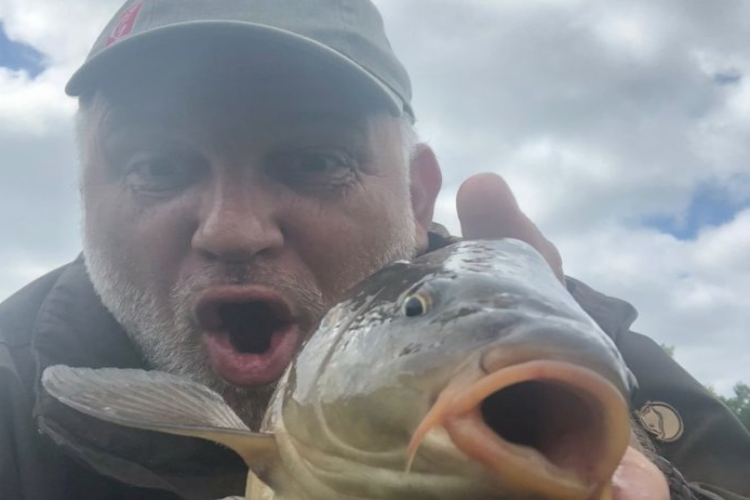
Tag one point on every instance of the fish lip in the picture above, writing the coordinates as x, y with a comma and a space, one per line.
248, 369
520, 466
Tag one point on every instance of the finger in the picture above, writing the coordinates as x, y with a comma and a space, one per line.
487, 209
637, 478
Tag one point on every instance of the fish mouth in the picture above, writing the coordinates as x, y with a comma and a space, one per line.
251, 333
546, 428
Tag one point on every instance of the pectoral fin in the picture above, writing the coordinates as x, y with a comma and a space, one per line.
158, 401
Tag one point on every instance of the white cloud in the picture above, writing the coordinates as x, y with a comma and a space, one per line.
32, 107
598, 115
635, 33
62, 31
694, 294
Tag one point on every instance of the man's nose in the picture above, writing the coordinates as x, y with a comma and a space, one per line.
236, 223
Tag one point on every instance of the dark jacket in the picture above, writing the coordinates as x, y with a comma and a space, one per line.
48, 452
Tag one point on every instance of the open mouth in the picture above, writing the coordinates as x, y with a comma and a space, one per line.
545, 428
557, 422
251, 334
250, 326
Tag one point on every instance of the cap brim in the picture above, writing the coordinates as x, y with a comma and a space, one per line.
94, 72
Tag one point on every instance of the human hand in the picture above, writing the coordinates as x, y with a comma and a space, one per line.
637, 478
487, 209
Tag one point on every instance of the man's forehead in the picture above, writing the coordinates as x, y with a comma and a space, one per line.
300, 120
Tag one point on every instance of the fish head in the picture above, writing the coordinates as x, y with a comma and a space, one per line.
473, 369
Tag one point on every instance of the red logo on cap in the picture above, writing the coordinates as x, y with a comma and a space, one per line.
125, 25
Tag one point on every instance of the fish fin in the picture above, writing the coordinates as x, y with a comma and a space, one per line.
158, 401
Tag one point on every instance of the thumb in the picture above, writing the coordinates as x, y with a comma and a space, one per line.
487, 209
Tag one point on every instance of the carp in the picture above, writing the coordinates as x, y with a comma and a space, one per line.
468, 372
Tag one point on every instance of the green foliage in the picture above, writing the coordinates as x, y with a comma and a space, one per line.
740, 403
669, 349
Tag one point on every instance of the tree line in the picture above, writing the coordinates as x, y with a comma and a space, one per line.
739, 403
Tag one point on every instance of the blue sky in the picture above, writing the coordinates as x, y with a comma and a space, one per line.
18, 56
710, 205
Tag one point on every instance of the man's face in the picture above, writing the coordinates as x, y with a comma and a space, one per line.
225, 212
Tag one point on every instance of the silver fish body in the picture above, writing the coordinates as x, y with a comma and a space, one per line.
469, 372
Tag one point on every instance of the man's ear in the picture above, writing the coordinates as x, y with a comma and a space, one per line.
426, 180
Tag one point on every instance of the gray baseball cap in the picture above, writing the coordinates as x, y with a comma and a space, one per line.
348, 34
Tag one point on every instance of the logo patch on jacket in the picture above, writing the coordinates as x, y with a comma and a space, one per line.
661, 420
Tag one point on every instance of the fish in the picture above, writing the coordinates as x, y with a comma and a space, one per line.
467, 372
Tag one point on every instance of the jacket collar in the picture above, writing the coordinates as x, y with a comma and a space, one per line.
74, 328
614, 316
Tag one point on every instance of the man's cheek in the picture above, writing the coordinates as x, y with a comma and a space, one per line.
113, 229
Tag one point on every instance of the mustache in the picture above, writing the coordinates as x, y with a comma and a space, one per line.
242, 274
300, 290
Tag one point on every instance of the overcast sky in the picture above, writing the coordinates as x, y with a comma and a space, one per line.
622, 126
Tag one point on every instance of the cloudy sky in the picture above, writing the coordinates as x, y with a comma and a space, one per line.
622, 126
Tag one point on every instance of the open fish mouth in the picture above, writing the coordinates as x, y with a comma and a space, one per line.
546, 428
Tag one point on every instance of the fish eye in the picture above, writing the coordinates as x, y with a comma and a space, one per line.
416, 305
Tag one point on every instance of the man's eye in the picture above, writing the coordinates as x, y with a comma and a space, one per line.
314, 168
158, 174
316, 163
321, 163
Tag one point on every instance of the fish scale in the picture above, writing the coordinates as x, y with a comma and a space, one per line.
380, 404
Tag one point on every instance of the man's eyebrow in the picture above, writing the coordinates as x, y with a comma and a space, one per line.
118, 121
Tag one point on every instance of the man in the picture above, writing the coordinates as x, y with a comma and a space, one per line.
243, 164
